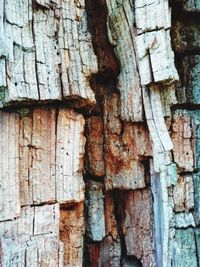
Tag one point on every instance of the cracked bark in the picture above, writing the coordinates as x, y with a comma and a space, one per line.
99, 138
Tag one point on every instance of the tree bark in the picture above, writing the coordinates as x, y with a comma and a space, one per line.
99, 133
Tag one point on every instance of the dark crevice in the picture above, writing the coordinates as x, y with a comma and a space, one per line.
107, 62
103, 84
131, 261
119, 210
34, 42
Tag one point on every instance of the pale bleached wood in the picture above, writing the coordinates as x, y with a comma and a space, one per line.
120, 32
33, 30
33, 221
172, 176
20, 61
9, 166
160, 138
184, 220
151, 47
147, 18
70, 142
51, 156
48, 76
95, 227
41, 251
32, 239
37, 156
161, 215
42, 150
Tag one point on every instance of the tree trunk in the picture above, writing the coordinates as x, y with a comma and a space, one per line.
100, 136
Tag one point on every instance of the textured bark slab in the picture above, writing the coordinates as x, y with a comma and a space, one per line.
146, 13
159, 135
120, 32
151, 47
186, 131
184, 220
46, 55
172, 176
41, 251
70, 144
184, 194
31, 239
184, 245
95, 227
124, 166
9, 166
51, 156
78, 61
161, 215
139, 232
183, 133
94, 147
33, 221
168, 98
37, 156
71, 233
35, 30
153, 42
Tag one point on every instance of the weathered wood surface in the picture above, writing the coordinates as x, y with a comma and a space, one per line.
9, 166
28, 240
71, 233
120, 32
125, 157
139, 231
95, 211
51, 156
98, 169
46, 52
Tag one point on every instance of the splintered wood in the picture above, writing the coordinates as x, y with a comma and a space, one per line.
51, 156
41, 163
46, 52
125, 157
99, 140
